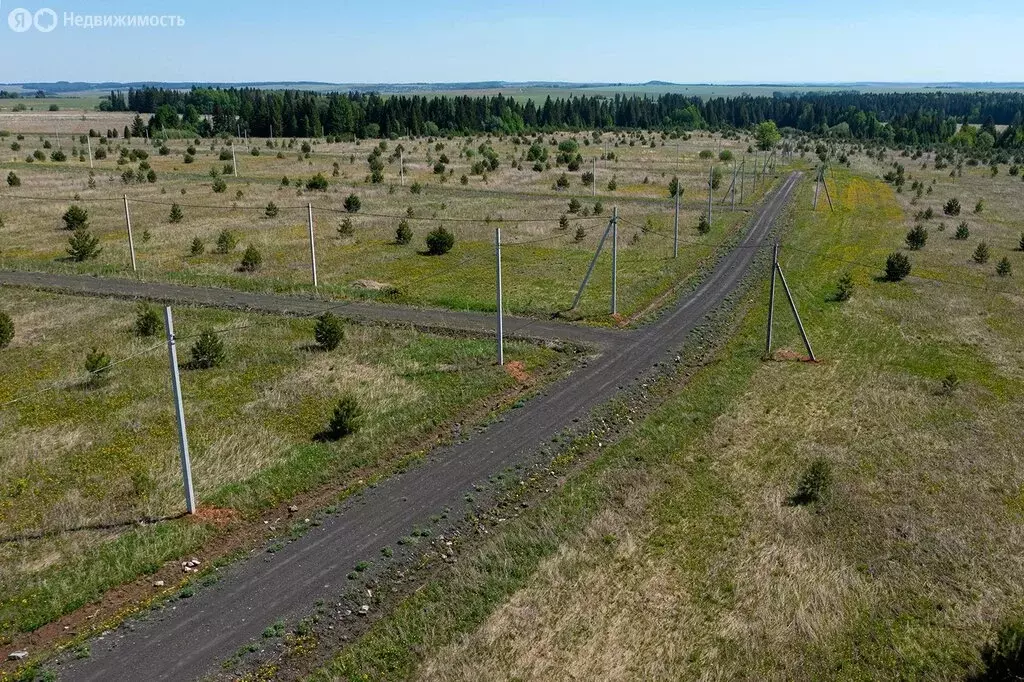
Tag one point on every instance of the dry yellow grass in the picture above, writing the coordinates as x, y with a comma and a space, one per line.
906, 569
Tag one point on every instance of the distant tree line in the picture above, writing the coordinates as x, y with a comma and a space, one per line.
896, 118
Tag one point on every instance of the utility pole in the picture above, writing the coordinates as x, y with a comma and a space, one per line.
88, 142
675, 223
743, 178
711, 180
234, 162
131, 241
501, 321
401, 165
595, 176
186, 464
312, 249
615, 260
593, 262
777, 270
771, 302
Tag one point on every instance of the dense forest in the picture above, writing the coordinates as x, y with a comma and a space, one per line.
895, 118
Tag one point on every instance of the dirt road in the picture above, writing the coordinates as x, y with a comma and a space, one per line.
428, 319
192, 639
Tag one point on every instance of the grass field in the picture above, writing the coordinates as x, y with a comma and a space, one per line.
85, 455
681, 553
544, 259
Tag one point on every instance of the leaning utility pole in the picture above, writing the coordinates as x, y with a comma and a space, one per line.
777, 271
593, 261
128, 225
179, 409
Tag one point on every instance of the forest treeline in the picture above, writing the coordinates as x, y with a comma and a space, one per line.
916, 118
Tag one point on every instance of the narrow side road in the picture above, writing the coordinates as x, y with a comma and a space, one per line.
190, 641
427, 319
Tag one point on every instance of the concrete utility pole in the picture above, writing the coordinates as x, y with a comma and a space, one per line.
615, 260
131, 241
234, 162
743, 178
771, 302
593, 262
312, 249
88, 142
675, 223
501, 320
401, 165
711, 183
777, 270
186, 464
595, 176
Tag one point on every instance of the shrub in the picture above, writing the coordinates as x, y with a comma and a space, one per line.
151, 176
352, 203
562, 182
725, 155
13, 180
346, 420
403, 235
82, 245
226, 242
219, 186
599, 209
317, 183
705, 154
416, 188
950, 382
147, 321
952, 207
207, 351
1005, 268
917, 237
981, 254
285, 182
814, 484
674, 186
271, 210
198, 247
440, 241
6, 329
252, 259
844, 289
612, 184
346, 229
58, 156
587, 179
1020, 244
962, 231
97, 364
563, 222
1003, 659
75, 218
328, 332
703, 226
575, 205
176, 215
897, 267
581, 234
980, 206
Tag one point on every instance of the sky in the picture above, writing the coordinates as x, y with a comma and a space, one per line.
400, 41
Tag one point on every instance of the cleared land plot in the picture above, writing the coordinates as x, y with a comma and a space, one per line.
74, 118
84, 455
544, 259
695, 560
